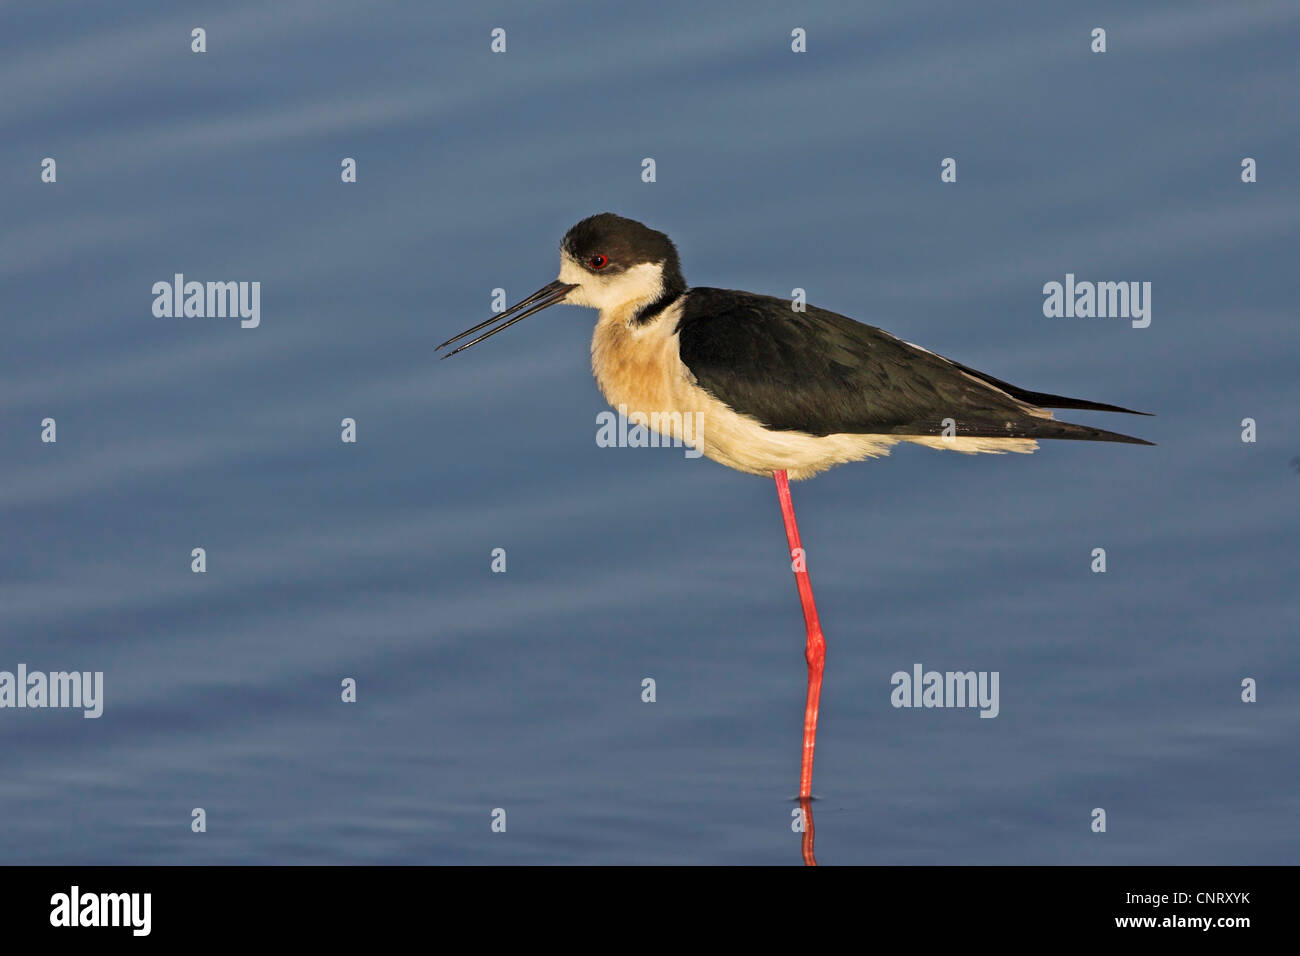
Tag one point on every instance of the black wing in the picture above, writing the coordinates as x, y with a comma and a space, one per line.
823, 373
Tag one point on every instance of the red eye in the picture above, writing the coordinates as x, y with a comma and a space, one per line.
598, 262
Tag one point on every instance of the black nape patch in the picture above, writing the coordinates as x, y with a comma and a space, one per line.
672, 292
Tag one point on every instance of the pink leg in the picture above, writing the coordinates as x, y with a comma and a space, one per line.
815, 653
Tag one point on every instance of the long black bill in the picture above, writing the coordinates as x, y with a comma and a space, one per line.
545, 297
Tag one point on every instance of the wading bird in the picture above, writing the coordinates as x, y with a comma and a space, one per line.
782, 393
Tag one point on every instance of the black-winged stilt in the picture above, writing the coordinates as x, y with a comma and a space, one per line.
775, 391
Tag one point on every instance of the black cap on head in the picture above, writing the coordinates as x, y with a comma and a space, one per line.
625, 242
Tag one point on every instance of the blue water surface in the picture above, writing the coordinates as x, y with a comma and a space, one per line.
523, 691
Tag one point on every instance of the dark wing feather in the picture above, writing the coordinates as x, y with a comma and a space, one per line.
1044, 399
823, 373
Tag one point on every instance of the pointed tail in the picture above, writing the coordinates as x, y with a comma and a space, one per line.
1044, 399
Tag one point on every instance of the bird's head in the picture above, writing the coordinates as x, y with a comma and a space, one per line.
614, 263
607, 263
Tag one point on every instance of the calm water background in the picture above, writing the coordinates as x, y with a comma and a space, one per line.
522, 690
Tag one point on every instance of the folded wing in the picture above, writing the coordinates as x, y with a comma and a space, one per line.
823, 373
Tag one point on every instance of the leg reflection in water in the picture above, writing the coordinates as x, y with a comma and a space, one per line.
809, 832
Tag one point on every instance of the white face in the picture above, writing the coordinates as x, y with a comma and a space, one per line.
637, 286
